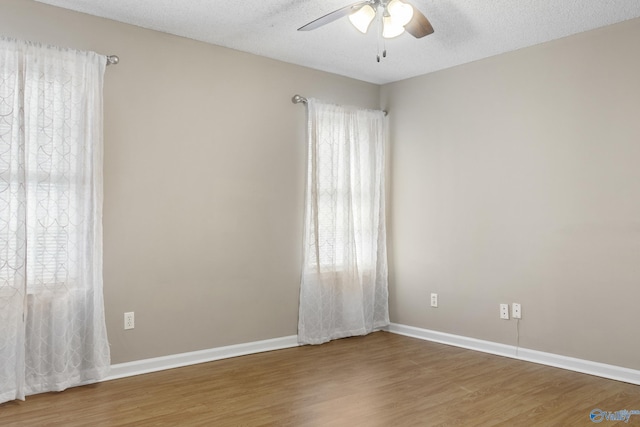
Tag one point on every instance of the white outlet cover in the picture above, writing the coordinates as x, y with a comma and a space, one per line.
504, 311
516, 310
129, 320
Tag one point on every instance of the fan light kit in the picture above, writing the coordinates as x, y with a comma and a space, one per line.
395, 16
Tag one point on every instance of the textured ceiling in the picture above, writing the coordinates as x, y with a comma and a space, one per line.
465, 30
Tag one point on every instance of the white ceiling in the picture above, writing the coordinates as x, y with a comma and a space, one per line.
465, 30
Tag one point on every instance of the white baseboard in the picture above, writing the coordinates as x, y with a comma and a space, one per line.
145, 366
570, 363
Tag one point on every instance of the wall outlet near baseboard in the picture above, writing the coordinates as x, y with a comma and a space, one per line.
504, 311
434, 300
516, 310
129, 320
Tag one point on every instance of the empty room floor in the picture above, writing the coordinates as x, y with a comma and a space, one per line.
381, 379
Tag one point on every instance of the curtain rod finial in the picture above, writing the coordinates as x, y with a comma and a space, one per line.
297, 99
112, 59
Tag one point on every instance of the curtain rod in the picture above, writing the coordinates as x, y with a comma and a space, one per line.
112, 59
297, 99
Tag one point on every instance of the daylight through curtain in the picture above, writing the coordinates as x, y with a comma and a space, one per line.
344, 280
52, 326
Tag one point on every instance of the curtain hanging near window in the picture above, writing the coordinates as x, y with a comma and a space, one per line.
343, 290
52, 326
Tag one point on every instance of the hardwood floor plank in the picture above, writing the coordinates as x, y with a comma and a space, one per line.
378, 380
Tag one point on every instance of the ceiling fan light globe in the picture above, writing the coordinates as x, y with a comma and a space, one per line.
390, 29
362, 18
401, 13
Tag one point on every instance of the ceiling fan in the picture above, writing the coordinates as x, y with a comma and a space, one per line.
395, 17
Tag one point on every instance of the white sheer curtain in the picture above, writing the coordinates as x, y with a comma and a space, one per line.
344, 280
52, 327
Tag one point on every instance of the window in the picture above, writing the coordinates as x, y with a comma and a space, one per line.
343, 291
52, 329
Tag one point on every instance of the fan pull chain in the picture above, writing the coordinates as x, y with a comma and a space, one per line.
379, 33
379, 38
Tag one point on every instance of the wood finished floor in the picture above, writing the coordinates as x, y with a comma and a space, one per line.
378, 380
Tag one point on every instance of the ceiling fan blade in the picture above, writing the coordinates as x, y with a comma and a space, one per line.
336, 14
419, 26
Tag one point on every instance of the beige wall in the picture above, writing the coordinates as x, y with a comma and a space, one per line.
517, 179
204, 179
514, 179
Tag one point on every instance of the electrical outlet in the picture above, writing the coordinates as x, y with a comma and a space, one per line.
129, 320
434, 300
504, 311
516, 310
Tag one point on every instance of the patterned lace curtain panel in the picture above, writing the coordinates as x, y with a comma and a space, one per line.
52, 327
343, 290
